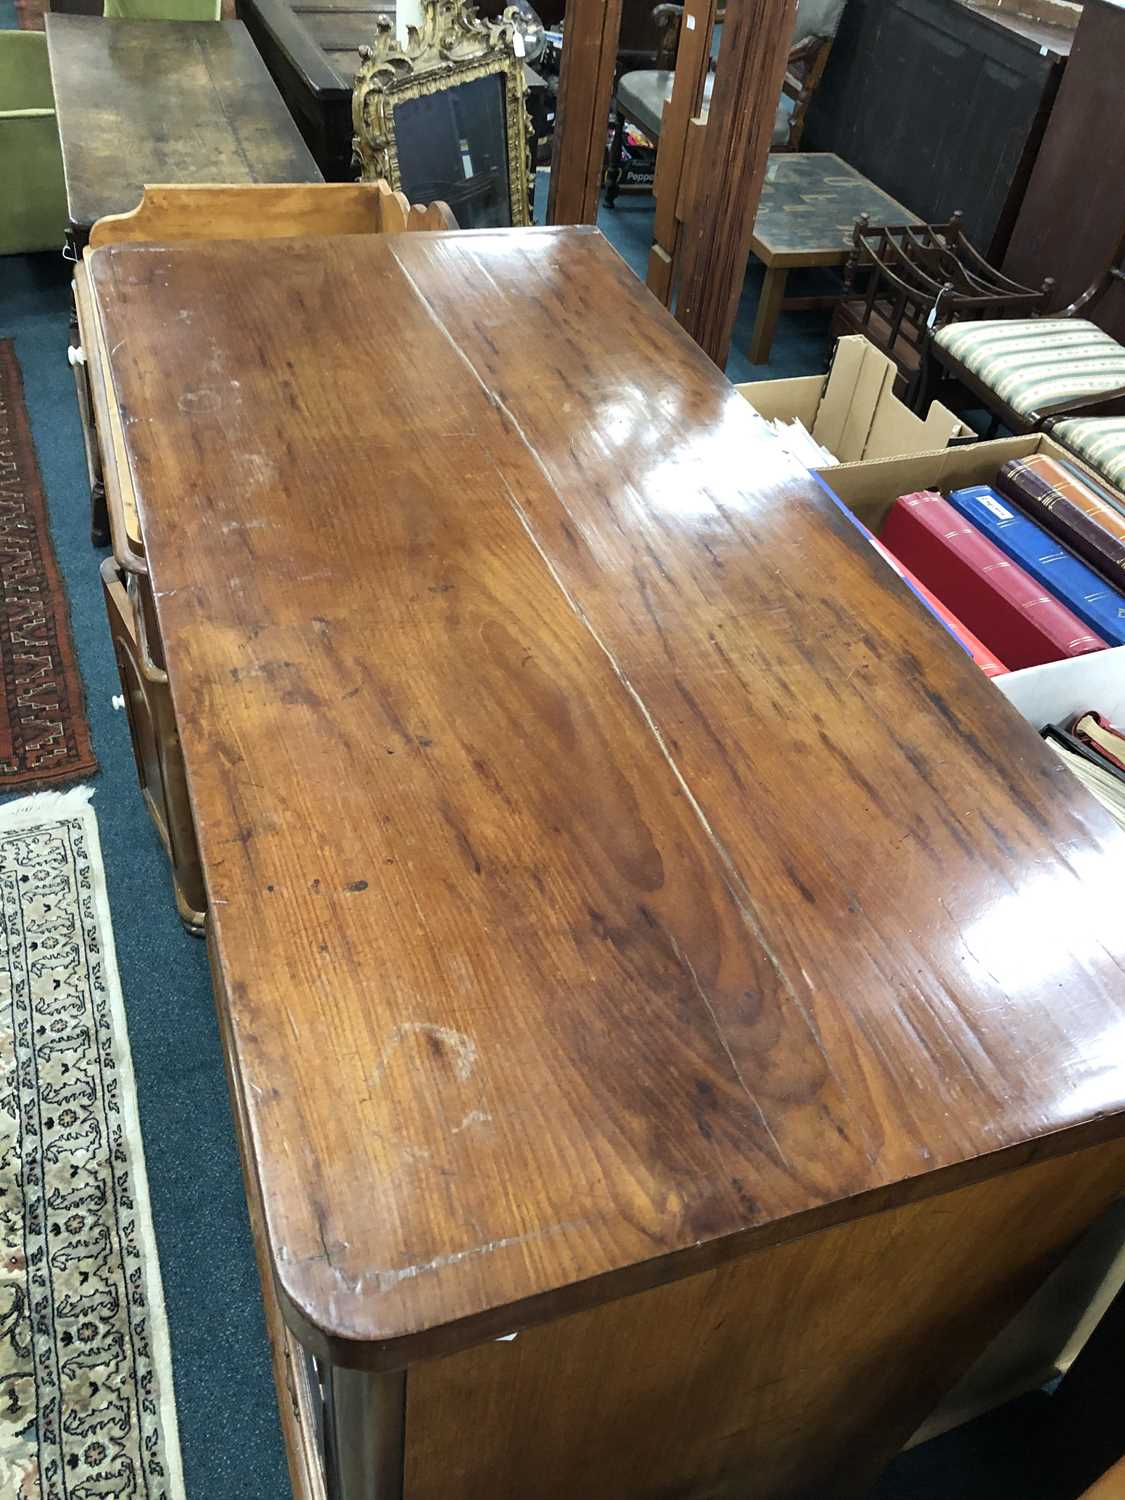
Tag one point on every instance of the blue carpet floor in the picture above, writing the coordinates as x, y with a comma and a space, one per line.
228, 1422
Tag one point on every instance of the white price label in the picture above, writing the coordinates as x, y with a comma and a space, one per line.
999, 511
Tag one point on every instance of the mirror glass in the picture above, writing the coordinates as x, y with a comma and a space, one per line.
453, 146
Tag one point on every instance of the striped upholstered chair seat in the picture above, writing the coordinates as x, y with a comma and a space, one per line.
1030, 363
1099, 441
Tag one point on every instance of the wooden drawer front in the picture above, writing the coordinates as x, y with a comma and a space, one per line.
156, 746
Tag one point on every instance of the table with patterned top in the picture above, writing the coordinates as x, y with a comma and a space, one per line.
810, 202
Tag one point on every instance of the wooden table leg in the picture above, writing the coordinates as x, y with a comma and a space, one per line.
366, 1415
769, 307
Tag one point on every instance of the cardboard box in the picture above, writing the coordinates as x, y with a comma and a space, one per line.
869, 489
1058, 690
853, 410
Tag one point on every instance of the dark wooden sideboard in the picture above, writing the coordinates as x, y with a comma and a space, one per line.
311, 49
1073, 213
942, 106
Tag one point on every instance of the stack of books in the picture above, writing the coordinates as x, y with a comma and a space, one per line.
1028, 570
1094, 749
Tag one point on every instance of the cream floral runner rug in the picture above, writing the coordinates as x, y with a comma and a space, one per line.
86, 1403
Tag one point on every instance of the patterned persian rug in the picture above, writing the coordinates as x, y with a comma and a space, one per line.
44, 735
86, 1403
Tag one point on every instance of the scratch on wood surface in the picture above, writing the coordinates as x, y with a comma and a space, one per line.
387, 1280
462, 1048
726, 1046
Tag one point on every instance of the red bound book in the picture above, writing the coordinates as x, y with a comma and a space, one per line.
989, 663
999, 602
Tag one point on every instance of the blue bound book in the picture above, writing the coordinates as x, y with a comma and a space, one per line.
1052, 565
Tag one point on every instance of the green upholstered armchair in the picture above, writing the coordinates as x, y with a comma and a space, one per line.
33, 202
164, 10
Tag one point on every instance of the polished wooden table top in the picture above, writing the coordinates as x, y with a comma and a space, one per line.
176, 101
612, 866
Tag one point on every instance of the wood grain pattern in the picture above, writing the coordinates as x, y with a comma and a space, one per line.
613, 867
185, 101
582, 110
793, 1373
170, 213
716, 243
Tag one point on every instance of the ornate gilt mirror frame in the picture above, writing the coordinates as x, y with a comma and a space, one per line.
453, 46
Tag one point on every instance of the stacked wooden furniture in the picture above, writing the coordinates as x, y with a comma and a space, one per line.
621, 889
944, 105
312, 52
168, 215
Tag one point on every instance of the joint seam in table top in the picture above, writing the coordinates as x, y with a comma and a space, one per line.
204, 55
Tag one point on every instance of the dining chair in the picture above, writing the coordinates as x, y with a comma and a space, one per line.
1060, 373
642, 95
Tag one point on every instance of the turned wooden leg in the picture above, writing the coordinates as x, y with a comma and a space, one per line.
364, 1417
99, 515
613, 171
769, 308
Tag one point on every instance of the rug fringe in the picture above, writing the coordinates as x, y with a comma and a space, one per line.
41, 805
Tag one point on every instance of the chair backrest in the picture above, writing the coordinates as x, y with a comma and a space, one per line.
25, 74
253, 211
814, 26
817, 18
163, 10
